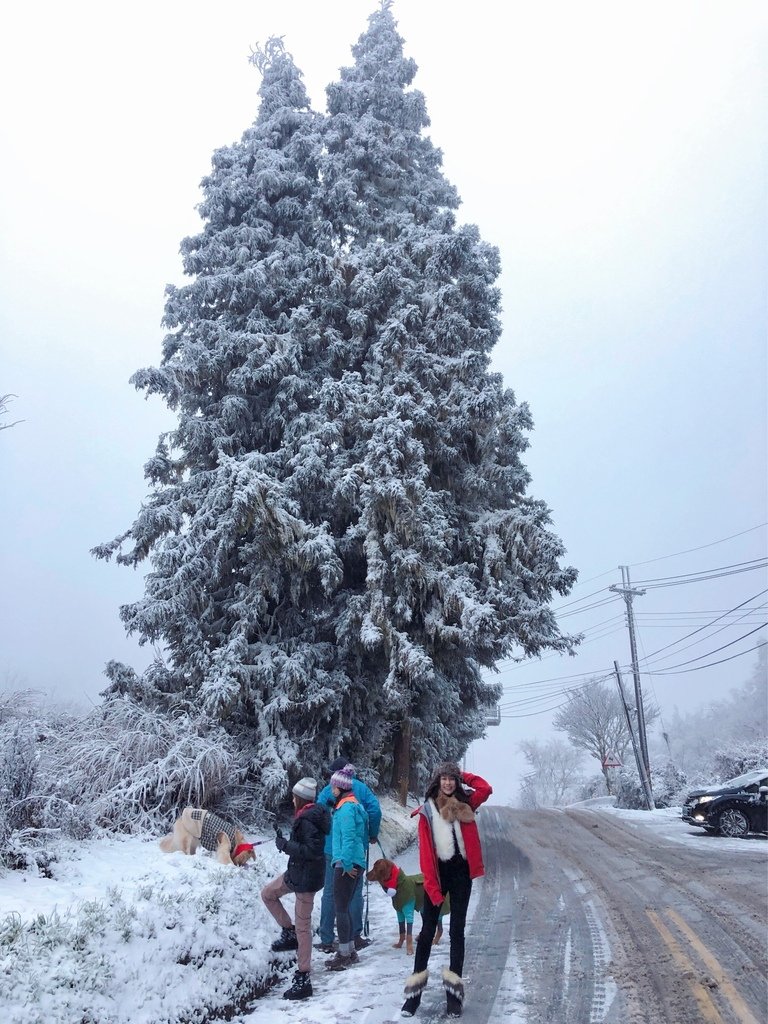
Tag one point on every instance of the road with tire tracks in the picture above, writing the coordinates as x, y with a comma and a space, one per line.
582, 919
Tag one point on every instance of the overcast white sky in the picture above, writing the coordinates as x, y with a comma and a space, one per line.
615, 153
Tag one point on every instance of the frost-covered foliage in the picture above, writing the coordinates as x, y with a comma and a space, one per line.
595, 721
739, 758
31, 810
185, 940
669, 786
135, 767
339, 531
554, 777
706, 744
121, 766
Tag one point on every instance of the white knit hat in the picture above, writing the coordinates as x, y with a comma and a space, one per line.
305, 788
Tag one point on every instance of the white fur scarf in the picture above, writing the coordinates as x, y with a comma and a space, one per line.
447, 815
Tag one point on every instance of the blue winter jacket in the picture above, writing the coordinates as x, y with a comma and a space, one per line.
349, 833
367, 798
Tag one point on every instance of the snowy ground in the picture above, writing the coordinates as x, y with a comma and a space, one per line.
123, 934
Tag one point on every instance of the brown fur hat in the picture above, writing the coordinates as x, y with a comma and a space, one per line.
452, 769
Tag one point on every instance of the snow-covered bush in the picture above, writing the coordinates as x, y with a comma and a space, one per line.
31, 812
135, 767
669, 785
120, 766
592, 787
629, 791
174, 950
728, 762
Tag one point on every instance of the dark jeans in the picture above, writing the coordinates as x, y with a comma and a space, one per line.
328, 911
343, 890
454, 880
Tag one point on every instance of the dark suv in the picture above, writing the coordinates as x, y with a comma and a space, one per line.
733, 808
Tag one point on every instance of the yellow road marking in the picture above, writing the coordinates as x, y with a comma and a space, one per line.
707, 1008
725, 984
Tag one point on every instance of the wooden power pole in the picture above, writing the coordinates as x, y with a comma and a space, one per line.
628, 592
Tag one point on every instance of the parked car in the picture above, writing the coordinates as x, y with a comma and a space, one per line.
733, 808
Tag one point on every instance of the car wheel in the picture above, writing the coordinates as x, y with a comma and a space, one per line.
733, 823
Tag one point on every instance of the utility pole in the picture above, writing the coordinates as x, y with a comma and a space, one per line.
645, 779
628, 592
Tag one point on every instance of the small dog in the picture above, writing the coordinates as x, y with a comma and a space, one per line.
407, 892
198, 827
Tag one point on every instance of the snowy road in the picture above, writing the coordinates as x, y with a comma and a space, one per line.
616, 924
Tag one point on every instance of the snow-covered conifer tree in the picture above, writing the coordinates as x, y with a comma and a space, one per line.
449, 565
339, 531
237, 572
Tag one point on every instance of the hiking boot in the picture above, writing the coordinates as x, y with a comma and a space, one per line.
286, 942
301, 987
341, 962
361, 943
326, 947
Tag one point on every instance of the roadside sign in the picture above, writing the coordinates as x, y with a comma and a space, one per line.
612, 761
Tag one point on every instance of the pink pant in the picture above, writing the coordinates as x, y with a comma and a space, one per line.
271, 894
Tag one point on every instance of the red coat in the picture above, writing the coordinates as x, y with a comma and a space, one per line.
427, 853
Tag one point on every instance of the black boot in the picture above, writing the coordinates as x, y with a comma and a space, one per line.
410, 1006
454, 1005
286, 942
454, 992
414, 986
301, 987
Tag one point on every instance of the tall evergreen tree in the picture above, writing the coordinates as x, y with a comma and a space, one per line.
450, 564
340, 536
236, 570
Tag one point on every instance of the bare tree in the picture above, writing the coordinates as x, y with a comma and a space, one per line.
554, 776
4, 400
594, 720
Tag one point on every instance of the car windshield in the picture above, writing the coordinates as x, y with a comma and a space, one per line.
746, 780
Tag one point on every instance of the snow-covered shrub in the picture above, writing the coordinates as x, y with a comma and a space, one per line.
181, 934
32, 809
728, 762
136, 767
629, 790
669, 783
592, 787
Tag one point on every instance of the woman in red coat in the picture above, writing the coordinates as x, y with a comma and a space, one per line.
450, 857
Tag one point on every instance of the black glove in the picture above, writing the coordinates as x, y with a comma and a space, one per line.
280, 841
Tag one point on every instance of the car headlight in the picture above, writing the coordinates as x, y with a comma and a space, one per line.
705, 799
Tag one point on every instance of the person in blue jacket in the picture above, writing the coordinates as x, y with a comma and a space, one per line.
367, 799
349, 832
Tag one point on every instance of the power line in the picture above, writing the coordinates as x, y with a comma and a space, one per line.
675, 554
701, 547
722, 570
532, 714
689, 635
587, 608
580, 599
716, 650
722, 661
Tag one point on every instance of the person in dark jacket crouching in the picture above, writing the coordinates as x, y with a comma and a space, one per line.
303, 877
